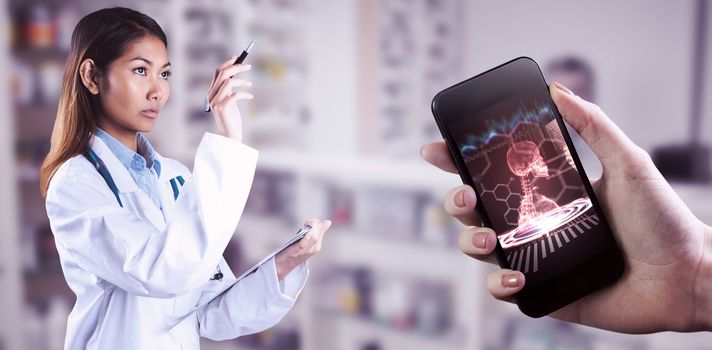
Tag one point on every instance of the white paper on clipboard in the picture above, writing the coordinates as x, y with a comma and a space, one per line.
298, 236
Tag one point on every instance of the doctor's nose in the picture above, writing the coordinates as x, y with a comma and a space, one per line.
156, 93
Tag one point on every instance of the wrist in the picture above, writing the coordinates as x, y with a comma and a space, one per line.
703, 286
283, 266
235, 136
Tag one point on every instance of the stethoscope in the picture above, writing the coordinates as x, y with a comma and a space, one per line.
104, 172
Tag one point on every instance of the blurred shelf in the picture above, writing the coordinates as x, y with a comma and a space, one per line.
398, 256
35, 121
40, 287
356, 330
271, 122
360, 170
40, 55
28, 175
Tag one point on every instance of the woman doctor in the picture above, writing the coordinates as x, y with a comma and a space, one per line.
140, 237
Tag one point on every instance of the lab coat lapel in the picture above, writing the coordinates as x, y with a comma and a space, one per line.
132, 196
165, 189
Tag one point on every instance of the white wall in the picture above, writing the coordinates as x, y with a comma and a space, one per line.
332, 86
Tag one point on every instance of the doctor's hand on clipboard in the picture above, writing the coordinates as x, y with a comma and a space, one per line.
286, 258
299, 252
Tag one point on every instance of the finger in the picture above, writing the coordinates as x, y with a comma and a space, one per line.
227, 87
319, 225
437, 154
220, 67
504, 283
232, 98
310, 244
313, 240
460, 202
312, 236
612, 147
232, 70
327, 225
307, 241
478, 243
225, 74
319, 228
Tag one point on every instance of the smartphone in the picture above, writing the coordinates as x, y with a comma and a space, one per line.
509, 142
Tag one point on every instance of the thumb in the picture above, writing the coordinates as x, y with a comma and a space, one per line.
612, 147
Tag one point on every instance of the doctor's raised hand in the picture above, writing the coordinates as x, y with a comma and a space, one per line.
222, 97
667, 283
140, 236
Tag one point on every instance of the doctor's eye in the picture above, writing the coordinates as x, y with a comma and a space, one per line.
140, 70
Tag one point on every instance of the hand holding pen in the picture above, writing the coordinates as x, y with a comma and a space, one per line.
222, 99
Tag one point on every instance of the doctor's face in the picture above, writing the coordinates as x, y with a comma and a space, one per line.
135, 87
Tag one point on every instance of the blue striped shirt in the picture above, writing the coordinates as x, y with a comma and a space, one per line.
144, 166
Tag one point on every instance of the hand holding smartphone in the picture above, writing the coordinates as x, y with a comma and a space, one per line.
509, 143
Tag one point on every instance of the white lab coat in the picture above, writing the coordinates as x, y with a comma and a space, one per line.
136, 269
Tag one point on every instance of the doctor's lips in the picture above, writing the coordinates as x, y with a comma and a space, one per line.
150, 113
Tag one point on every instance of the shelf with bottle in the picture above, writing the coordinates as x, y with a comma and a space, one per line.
35, 89
45, 26
40, 38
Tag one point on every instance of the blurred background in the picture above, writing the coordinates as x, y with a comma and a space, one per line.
343, 89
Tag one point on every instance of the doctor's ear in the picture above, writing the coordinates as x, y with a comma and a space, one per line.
89, 74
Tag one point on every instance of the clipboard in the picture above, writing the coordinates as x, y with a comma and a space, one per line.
296, 238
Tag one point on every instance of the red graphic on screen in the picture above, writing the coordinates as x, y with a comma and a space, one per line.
525, 176
523, 159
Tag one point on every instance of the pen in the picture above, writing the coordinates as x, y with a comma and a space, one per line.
238, 60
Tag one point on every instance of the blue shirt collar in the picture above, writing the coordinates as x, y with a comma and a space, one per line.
145, 158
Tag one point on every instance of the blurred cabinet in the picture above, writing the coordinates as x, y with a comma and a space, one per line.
10, 276
410, 50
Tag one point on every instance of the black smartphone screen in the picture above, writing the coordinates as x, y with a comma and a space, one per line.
529, 185
509, 142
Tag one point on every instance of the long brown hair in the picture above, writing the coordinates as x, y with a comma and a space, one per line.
103, 37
